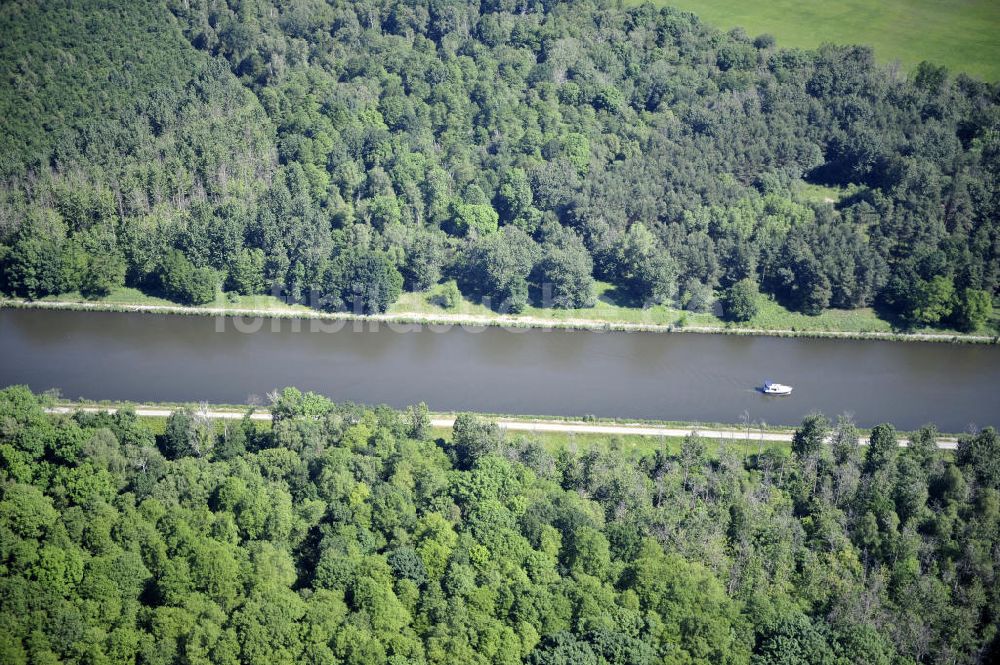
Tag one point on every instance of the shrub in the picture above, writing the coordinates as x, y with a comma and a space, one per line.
104, 272
184, 283
973, 310
450, 295
739, 302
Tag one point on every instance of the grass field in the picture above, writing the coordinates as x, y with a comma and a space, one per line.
961, 34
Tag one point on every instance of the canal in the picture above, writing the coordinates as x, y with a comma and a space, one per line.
689, 377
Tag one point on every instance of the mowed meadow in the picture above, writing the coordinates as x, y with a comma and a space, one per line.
961, 34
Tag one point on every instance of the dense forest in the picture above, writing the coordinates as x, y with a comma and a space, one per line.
346, 534
335, 153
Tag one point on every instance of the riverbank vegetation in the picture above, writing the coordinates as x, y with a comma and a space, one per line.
428, 309
344, 156
354, 535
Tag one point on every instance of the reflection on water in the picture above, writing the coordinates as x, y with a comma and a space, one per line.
701, 378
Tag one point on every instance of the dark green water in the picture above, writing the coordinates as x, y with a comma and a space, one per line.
701, 378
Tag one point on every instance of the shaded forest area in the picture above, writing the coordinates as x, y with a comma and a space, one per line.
337, 153
345, 534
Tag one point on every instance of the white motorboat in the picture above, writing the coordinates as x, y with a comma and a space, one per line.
772, 388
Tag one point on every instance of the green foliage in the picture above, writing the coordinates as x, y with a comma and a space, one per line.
801, 280
423, 255
474, 219
514, 199
187, 433
450, 296
935, 300
419, 421
882, 447
104, 273
974, 309
34, 266
700, 620
576, 147
307, 149
565, 271
810, 438
980, 454
648, 272
696, 296
344, 533
181, 281
739, 302
498, 267
292, 403
246, 276
474, 438
792, 638
362, 281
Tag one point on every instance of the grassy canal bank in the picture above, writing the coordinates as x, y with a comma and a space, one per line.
633, 438
632, 445
607, 315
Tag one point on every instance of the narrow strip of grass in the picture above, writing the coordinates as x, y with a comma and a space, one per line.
631, 446
740, 436
772, 316
736, 429
126, 295
606, 315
